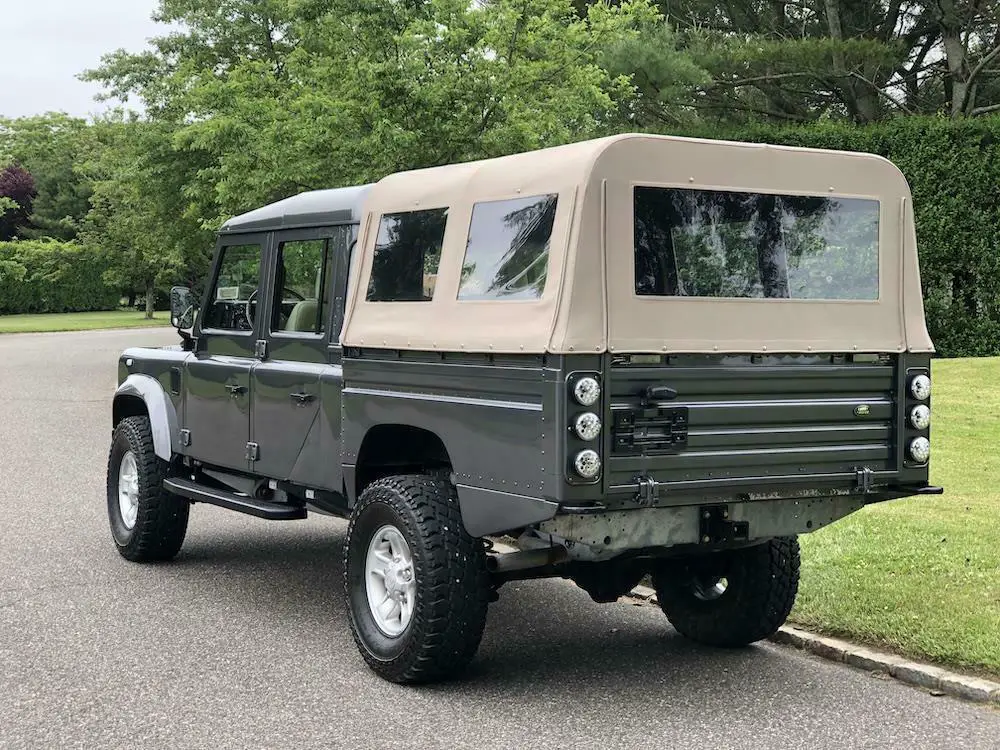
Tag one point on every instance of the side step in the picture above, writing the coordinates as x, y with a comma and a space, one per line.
260, 508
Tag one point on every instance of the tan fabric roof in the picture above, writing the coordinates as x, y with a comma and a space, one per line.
589, 303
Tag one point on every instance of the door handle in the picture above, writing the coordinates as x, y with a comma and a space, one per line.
301, 398
236, 390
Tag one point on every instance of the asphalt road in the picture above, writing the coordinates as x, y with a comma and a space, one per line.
243, 640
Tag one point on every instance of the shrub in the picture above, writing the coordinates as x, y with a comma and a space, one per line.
53, 277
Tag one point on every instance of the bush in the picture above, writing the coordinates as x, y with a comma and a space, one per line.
953, 167
53, 277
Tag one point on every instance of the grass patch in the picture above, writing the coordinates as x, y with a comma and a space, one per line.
922, 575
86, 321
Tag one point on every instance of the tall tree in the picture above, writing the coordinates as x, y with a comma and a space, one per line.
52, 147
141, 216
286, 95
802, 60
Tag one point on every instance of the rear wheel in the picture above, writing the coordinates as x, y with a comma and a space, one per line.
416, 582
731, 598
147, 523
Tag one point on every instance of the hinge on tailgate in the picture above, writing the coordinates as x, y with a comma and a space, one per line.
185, 437
865, 478
253, 452
649, 490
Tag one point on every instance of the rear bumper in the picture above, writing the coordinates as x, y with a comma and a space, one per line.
601, 535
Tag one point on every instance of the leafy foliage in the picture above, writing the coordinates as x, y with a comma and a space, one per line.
52, 147
53, 277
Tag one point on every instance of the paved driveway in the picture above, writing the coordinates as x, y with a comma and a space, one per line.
243, 641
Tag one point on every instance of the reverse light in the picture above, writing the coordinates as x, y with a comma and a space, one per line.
587, 464
586, 391
920, 417
920, 450
587, 426
920, 387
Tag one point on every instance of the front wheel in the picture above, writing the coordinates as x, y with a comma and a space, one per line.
731, 598
416, 582
147, 523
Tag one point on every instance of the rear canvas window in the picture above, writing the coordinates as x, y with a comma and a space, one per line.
709, 243
407, 255
507, 255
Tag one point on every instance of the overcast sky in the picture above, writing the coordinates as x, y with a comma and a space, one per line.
47, 43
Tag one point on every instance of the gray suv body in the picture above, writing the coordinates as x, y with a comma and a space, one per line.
636, 356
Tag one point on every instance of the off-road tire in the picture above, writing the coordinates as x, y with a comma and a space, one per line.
162, 518
762, 583
452, 582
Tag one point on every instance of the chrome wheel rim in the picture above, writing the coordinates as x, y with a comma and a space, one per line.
390, 581
128, 490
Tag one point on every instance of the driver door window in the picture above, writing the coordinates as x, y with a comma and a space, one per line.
233, 301
304, 274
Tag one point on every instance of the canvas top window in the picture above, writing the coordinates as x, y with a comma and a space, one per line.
709, 243
407, 256
507, 253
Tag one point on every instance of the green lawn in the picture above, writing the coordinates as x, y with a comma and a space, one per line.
922, 575
80, 321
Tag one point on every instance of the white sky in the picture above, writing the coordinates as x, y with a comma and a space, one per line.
47, 43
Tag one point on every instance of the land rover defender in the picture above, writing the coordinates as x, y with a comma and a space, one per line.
639, 355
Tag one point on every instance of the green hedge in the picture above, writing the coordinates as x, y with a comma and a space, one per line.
953, 167
53, 277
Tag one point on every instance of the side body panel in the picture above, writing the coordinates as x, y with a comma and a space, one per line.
494, 415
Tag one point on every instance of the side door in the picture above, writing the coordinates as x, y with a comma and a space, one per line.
217, 393
292, 441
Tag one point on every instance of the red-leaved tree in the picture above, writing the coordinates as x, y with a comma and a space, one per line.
17, 186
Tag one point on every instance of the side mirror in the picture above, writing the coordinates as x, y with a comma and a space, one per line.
181, 308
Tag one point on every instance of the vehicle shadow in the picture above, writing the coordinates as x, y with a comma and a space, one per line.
540, 634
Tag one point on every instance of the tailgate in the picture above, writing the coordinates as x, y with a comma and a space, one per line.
751, 421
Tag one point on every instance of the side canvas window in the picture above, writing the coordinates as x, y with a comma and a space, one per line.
407, 255
507, 255
303, 277
233, 301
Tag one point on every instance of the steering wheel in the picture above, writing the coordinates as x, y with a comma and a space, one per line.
253, 295
248, 311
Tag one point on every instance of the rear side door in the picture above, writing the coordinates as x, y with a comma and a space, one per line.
217, 393
293, 441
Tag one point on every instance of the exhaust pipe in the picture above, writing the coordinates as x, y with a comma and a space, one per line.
526, 559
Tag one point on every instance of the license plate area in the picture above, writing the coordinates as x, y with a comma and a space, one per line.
649, 431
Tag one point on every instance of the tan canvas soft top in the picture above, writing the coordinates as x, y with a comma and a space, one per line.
589, 302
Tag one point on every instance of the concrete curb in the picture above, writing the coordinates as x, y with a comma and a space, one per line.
934, 679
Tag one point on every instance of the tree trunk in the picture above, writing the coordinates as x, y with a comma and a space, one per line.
955, 56
150, 299
131, 300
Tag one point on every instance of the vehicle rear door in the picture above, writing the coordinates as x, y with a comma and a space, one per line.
217, 395
292, 440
